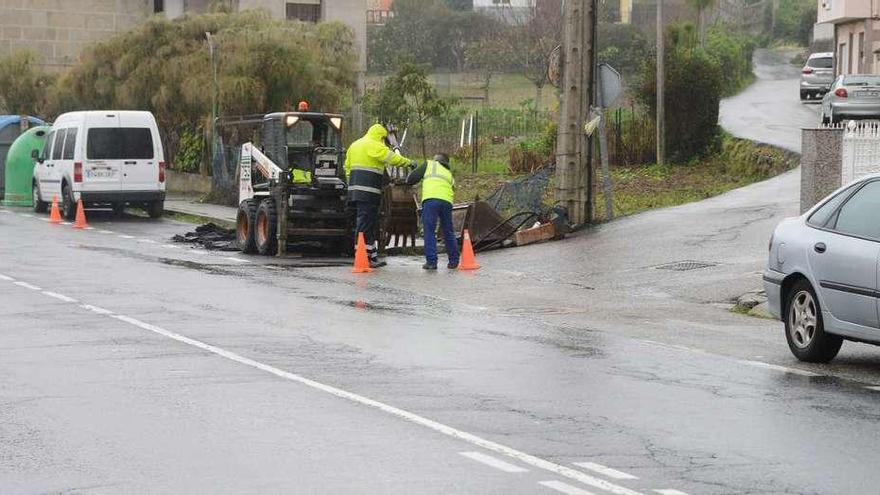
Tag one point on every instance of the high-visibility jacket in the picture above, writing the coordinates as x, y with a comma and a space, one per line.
365, 164
438, 182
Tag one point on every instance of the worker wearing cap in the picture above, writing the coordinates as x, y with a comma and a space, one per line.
438, 191
365, 164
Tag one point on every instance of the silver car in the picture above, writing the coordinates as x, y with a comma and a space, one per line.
853, 96
817, 75
821, 276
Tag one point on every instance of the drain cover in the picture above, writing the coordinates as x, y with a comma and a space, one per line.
683, 266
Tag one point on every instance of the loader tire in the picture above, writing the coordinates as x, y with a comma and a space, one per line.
245, 226
266, 224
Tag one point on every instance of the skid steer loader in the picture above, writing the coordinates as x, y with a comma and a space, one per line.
293, 190
292, 185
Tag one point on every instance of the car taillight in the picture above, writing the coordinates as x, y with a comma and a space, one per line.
77, 172
807, 70
161, 171
841, 93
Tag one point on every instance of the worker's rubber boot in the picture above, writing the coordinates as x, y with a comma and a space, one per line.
429, 266
452, 266
377, 264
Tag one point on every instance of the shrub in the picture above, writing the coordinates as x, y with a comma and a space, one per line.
23, 84
164, 66
733, 52
692, 95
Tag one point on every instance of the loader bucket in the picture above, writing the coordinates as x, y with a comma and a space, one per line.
486, 227
400, 218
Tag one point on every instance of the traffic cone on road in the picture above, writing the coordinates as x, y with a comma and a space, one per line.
54, 213
361, 260
80, 222
468, 260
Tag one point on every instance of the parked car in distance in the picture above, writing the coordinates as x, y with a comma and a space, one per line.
821, 275
106, 158
817, 75
854, 96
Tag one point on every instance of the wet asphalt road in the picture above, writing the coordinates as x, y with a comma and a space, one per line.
130, 364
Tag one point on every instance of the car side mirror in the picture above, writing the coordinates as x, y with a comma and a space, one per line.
35, 154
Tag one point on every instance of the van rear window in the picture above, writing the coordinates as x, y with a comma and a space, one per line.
119, 143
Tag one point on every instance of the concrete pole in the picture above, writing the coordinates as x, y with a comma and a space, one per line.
569, 191
661, 87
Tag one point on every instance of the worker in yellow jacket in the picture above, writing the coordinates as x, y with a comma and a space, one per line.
438, 193
365, 164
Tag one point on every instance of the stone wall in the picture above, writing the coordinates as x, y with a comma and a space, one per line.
58, 30
821, 164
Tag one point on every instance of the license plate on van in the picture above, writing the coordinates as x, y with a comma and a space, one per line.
868, 94
100, 174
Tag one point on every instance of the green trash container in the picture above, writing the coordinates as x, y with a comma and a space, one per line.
20, 166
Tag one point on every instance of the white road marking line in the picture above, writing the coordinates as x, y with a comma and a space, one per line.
493, 462
89, 228
106, 232
239, 260
27, 215
875, 388
66, 223
27, 285
200, 252
126, 236
669, 491
5, 211
606, 471
394, 411
564, 488
776, 367
148, 241
270, 267
6, 278
60, 297
96, 309
170, 246
44, 219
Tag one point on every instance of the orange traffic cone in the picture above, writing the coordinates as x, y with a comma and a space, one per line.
80, 222
468, 260
54, 214
361, 261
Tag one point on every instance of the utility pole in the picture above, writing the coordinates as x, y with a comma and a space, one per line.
571, 163
661, 88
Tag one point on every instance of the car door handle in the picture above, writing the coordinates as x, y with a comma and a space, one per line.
131, 163
820, 247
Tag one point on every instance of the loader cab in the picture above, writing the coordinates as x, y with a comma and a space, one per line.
307, 144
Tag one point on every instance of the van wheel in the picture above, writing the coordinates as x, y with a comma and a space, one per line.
39, 206
265, 234
155, 208
68, 205
245, 226
118, 209
804, 328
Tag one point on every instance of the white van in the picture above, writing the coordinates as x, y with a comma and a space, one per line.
106, 158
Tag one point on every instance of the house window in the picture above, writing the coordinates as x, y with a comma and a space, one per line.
158, 6
306, 12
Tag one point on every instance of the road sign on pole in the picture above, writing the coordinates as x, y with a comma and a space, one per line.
609, 85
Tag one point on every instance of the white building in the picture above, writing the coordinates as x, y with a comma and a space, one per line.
856, 34
511, 11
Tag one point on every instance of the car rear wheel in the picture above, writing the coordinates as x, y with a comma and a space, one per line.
265, 235
68, 205
804, 327
118, 209
155, 208
39, 206
245, 226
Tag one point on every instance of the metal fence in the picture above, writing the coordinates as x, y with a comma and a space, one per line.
861, 151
